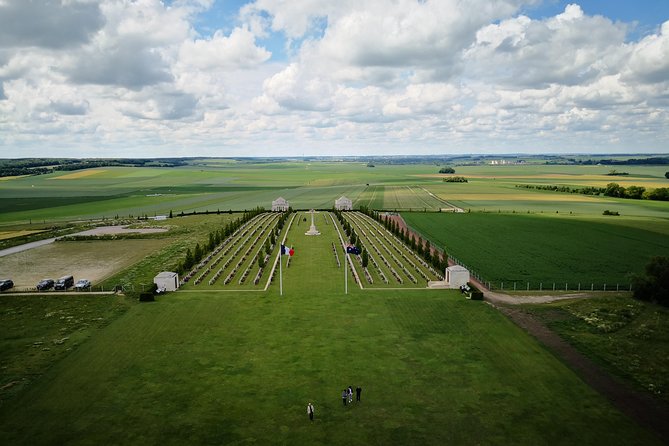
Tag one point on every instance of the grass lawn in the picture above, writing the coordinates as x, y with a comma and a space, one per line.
240, 368
628, 337
541, 248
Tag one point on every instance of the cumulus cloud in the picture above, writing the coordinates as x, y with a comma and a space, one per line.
70, 108
126, 64
236, 51
649, 62
389, 76
570, 48
52, 24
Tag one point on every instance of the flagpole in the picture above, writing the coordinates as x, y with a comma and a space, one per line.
280, 274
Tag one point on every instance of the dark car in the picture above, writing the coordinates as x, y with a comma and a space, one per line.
45, 284
64, 283
6, 284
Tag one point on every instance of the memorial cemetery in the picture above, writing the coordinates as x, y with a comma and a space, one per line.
253, 332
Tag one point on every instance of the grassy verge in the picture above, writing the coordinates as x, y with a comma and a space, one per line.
38, 331
628, 337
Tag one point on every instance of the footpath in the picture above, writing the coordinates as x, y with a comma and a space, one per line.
642, 407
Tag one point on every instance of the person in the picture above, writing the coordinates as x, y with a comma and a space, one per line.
358, 391
343, 396
310, 411
350, 394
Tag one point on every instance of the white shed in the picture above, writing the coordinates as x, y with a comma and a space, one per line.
456, 276
343, 204
280, 205
167, 280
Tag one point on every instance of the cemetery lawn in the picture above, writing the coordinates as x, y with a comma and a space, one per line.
546, 249
207, 367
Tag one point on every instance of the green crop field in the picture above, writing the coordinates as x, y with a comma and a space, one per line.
544, 248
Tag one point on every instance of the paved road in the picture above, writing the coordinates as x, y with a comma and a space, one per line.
102, 230
26, 246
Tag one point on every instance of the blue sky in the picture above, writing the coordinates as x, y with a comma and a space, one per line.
292, 77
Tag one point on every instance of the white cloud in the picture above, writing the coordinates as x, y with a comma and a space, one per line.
384, 76
220, 52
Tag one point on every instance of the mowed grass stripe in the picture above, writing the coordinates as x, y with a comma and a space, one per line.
220, 369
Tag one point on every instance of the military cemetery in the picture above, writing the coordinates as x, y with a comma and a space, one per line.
267, 296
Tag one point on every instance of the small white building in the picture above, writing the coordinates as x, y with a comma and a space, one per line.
280, 205
343, 204
455, 276
167, 280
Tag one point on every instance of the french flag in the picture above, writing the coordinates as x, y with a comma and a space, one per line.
286, 251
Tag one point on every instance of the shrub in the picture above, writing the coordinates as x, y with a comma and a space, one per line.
446, 170
455, 180
654, 285
146, 297
474, 292
607, 212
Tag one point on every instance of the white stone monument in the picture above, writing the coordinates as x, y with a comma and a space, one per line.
454, 277
312, 229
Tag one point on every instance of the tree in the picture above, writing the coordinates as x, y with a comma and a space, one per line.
446, 170
172, 217
654, 285
188, 261
197, 254
365, 258
666, 175
635, 192
614, 190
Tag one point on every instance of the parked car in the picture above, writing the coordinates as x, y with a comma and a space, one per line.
82, 284
64, 283
45, 284
6, 284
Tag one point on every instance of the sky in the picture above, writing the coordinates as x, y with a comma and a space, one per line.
149, 78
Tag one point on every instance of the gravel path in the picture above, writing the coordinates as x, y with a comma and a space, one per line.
102, 230
642, 407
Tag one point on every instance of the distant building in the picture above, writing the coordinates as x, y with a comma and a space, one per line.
343, 204
280, 205
167, 280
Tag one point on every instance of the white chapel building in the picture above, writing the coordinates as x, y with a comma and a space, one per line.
343, 204
280, 205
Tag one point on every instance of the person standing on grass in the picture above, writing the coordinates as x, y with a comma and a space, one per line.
358, 391
343, 396
310, 411
350, 394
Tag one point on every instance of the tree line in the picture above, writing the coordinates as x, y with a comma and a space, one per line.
611, 190
217, 236
32, 166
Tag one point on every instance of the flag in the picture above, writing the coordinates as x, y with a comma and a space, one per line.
350, 249
286, 251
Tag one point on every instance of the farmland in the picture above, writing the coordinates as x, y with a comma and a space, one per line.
227, 359
522, 248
